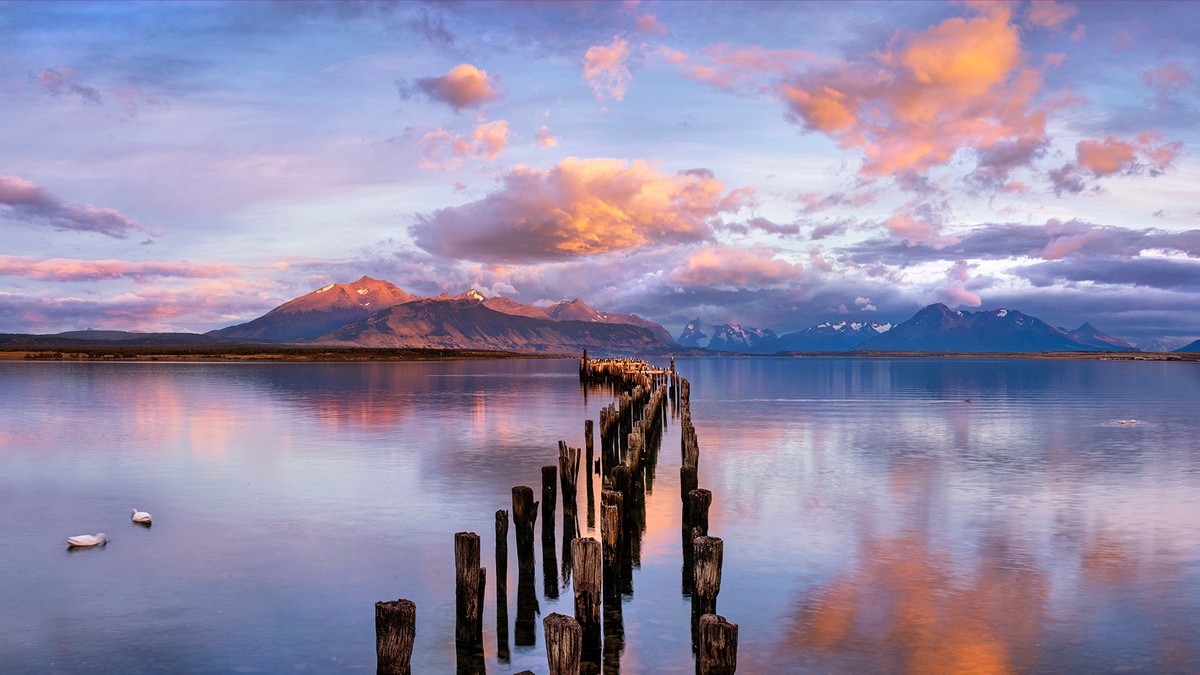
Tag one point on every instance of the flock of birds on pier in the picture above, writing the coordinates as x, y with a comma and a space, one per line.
100, 539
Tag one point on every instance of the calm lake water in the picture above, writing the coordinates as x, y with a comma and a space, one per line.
907, 515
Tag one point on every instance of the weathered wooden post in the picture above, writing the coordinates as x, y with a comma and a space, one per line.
718, 646
588, 442
525, 512
467, 591
549, 499
708, 552
395, 630
610, 532
698, 503
502, 653
568, 472
588, 585
564, 644
688, 481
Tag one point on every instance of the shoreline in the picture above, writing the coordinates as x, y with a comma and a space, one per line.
266, 353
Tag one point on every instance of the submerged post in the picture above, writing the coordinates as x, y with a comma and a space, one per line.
563, 644
467, 590
395, 631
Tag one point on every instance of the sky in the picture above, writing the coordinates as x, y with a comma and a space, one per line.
187, 166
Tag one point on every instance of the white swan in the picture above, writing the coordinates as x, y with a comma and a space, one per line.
81, 540
141, 517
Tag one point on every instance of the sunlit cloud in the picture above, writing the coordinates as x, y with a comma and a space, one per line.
578, 207
24, 201
545, 137
960, 85
441, 149
69, 269
605, 69
733, 266
464, 86
1148, 153
1049, 13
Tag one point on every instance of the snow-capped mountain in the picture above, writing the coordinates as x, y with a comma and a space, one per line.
840, 336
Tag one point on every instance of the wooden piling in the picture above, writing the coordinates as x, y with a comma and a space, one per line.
395, 631
698, 503
467, 588
718, 646
524, 513
502, 652
549, 500
568, 472
708, 552
564, 644
588, 440
610, 531
588, 585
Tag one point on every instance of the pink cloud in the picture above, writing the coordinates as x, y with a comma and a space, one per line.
957, 85
69, 269
733, 266
751, 68
1148, 153
443, 150
1166, 81
1049, 14
24, 201
545, 137
464, 86
648, 23
954, 291
579, 207
914, 225
605, 70
64, 81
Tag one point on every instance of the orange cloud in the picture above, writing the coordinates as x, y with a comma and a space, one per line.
70, 269
1149, 153
465, 86
958, 85
578, 207
605, 70
733, 266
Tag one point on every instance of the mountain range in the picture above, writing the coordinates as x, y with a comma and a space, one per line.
375, 313
935, 328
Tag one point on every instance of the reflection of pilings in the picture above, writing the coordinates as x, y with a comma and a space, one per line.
525, 628
614, 623
549, 567
570, 530
502, 653
549, 501
469, 659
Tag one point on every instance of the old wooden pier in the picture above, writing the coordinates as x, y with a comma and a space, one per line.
600, 572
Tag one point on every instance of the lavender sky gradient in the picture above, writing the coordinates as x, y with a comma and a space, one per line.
171, 166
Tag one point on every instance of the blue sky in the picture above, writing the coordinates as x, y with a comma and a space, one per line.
186, 166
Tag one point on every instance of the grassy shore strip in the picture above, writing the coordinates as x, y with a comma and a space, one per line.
256, 353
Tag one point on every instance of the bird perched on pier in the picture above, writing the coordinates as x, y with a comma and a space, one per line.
141, 517
84, 540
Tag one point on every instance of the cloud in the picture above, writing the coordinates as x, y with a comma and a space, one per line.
578, 207
63, 81
22, 200
751, 69
959, 85
1049, 14
1167, 80
1178, 274
545, 137
443, 150
1055, 239
954, 291
605, 70
648, 23
464, 86
1148, 153
70, 269
722, 265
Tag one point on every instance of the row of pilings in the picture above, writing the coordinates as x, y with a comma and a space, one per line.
600, 572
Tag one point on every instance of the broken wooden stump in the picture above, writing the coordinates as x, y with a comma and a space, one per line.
524, 513
588, 586
718, 646
564, 644
467, 574
395, 631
